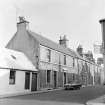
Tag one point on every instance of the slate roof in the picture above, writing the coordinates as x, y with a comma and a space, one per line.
15, 60
49, 43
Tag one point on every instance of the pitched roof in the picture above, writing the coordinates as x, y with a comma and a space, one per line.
14, 59
49, 43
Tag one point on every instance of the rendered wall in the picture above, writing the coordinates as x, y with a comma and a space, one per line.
6, 88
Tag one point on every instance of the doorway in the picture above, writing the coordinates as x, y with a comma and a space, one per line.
27, 80
34, 82
55, 79
64, 78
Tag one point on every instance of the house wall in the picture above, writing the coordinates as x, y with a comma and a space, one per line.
26, 43
56, 64
60, 79
42, 75
18, 87
69, 61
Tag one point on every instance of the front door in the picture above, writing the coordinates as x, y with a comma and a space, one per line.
55, 79
64, 78
34, 82
27, 80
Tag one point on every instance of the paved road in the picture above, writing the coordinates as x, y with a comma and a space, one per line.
59, 97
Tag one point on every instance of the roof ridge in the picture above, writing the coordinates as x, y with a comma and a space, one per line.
44, 37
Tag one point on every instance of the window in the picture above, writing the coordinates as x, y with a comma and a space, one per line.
48, 55
48, 76
64, 59
12, 77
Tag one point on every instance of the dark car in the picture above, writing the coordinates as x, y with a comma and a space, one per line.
72, 86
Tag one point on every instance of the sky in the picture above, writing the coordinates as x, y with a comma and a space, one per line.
77, 19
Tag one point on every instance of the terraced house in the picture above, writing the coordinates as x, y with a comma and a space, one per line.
56, 63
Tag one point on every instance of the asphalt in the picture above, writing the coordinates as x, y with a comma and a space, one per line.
97, 101
75, 96
59, 97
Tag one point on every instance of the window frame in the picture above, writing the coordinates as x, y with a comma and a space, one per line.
12, 77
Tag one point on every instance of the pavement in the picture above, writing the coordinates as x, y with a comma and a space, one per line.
97, 101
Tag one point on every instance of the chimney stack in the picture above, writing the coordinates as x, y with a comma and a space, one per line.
80, 50
63, 41
22, 24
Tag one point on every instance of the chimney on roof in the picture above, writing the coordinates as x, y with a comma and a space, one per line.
63, 41
22, 24
80, 50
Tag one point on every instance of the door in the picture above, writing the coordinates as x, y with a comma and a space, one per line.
55, 79
64, 78
27, 80
34, 82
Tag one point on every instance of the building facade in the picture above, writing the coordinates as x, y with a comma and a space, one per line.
16, 77
56, 63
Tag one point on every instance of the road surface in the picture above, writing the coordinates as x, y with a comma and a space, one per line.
58, 97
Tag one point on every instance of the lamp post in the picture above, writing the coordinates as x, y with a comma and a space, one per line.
102, 22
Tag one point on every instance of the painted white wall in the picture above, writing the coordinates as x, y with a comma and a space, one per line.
69, 61
54, 57
43, 53
61, 58
6, 88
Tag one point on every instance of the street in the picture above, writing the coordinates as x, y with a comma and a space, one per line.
58, 97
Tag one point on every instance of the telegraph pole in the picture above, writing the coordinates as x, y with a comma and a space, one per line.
102, 22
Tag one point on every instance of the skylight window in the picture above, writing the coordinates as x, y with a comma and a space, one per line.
13, 57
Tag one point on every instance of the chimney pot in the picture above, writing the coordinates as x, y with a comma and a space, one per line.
63, 41
102, 20
22, 24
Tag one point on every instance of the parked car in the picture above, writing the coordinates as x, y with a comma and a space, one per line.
72, 85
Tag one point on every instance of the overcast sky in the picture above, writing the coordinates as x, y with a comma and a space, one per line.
77, 19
